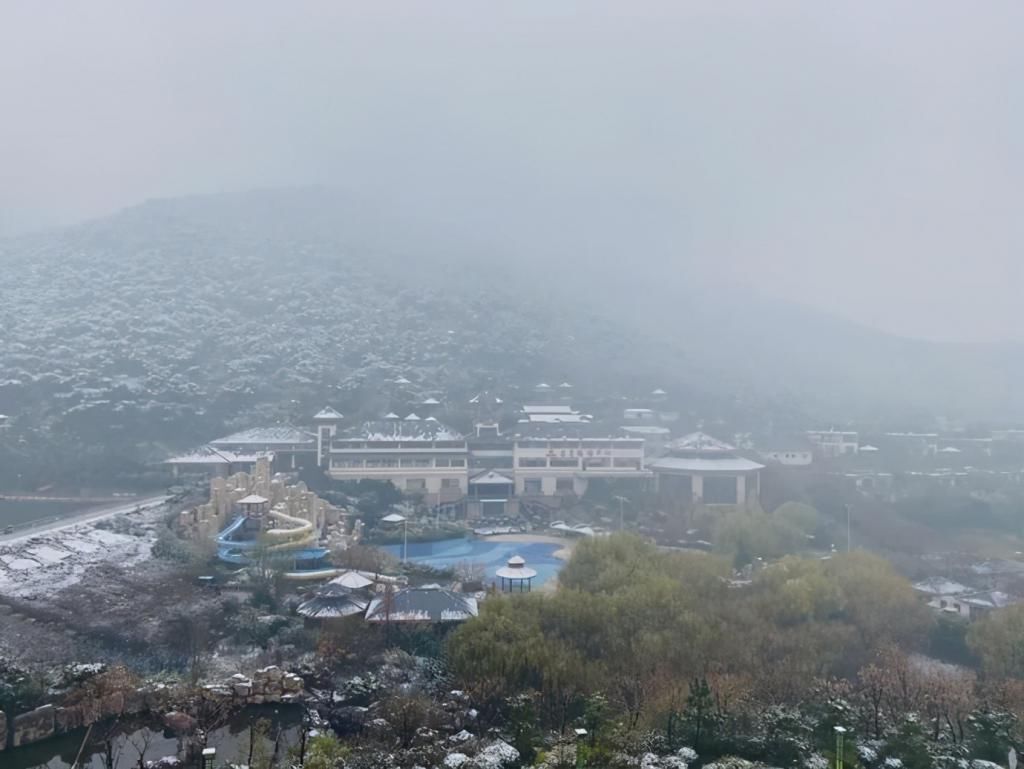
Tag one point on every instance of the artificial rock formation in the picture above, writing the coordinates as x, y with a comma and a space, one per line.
206, 520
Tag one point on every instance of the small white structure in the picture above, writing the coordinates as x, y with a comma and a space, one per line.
834, 443
516, 574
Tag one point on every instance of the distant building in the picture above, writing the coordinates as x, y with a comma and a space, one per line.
834, 443
291, 446
288, 448
699, 469
418, 456
655, 437
796, 451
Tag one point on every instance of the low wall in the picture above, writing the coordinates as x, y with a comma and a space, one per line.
269, 685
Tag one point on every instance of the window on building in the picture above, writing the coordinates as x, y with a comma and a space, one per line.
632, 464
564, 486
415, 463
458, 463
596, 462
415, 484
532, 462
559, 462
449, 483
532, 486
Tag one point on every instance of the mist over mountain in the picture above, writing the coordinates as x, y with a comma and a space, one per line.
162, 325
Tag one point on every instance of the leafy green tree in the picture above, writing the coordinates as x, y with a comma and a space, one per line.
998, 640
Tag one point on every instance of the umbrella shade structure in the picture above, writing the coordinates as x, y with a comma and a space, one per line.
332, 602
352, 580
392, 518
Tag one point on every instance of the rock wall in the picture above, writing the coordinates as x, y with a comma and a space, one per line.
269, 685
36, 725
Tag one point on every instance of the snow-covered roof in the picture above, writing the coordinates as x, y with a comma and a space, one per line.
557, 418
989, 599
412, 418
704, 465
430, 402
391, 415
701, 443
253, 499
333, 600
565, 386
328, 413
658, 391
402, 381
516, 569
940, 586
868, 448
404, 430
949, 450
548, 409
265, 436
422, 604
392, 518
208, 455
542, 386
645, 429
352, 580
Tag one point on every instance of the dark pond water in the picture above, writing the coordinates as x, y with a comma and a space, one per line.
231, 741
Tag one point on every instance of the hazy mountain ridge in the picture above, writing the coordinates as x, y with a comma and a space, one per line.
168, 322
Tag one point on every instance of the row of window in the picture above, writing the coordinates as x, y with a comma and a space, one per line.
595, 462
376, 462
536, 486
420, 484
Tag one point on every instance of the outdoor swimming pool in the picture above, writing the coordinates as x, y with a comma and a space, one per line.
491, 555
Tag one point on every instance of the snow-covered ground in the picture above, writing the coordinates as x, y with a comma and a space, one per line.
39, 563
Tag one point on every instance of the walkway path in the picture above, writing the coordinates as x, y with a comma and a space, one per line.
55, 523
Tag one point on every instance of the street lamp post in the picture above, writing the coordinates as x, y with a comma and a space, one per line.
622, 501
840, 739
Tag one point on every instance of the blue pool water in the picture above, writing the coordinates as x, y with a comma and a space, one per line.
491, 555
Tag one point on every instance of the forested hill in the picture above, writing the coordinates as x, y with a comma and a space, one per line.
175, 320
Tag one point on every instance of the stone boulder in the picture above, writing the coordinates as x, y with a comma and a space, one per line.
36, 725
179, 723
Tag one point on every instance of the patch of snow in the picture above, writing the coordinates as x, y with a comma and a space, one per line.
455, 760
496, 756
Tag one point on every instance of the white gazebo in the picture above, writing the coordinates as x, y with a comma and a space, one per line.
516, 573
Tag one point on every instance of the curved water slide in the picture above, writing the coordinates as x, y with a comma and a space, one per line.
296, 540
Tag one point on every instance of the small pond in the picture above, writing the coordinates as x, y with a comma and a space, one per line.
491, 555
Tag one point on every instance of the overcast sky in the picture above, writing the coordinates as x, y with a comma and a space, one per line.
862, 157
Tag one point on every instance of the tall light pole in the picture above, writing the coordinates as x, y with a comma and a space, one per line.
840, 739
622, 501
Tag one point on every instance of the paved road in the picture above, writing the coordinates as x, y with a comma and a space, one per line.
93, 514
